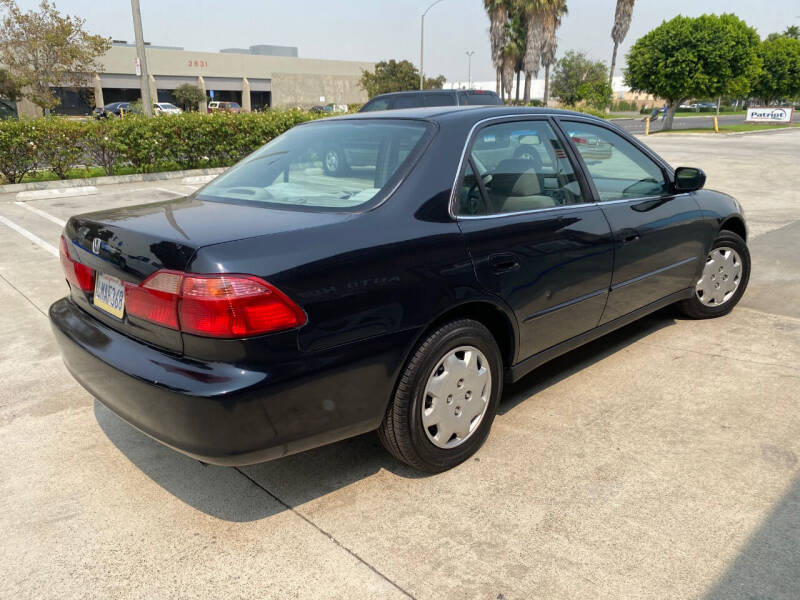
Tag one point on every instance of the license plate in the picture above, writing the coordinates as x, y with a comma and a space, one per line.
109, 295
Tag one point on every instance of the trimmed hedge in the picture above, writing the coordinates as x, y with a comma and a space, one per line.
167, 142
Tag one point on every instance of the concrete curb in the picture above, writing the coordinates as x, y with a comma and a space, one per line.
113, 179
722, 133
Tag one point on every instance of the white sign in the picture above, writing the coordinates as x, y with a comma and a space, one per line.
138, 67
322, 98
766, 114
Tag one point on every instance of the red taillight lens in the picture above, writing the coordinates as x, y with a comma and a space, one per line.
225, 306
156, 299
78, 274
235, 306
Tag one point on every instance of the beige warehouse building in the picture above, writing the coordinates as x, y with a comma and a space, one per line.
257, 77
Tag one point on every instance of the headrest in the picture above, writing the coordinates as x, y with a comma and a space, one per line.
515, 177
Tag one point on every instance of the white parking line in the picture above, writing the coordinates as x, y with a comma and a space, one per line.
42, 214
34, 238
169, 191
85, 190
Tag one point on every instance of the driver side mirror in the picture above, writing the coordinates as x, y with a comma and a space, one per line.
689, 179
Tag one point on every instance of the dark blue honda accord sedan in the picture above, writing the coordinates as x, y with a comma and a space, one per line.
385, 271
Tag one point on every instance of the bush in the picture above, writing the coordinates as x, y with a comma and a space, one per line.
19, 148
61, 148
625, 106
102, 145
168, 142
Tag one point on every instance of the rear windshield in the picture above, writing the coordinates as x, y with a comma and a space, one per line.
479, 98
334, 165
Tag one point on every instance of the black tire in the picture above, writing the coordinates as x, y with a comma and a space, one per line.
334, 161
694, 308
402, 431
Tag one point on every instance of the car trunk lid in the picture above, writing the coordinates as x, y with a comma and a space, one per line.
132, 243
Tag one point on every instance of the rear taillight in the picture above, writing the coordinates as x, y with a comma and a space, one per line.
156, 298
217, 305
78, 274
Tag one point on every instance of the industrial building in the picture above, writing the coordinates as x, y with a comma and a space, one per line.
257, 77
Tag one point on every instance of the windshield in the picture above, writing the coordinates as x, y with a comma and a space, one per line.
334, 165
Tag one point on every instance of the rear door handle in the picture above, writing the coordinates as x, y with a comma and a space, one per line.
629, 236
503, 262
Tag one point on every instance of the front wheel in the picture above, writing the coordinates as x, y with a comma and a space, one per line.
724, 279
446, 398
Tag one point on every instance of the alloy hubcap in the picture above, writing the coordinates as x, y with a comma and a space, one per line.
721, 276
331, 160
456, 397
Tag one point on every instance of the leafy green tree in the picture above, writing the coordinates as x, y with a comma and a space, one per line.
780, 74
577, 78
9, 86
43, 49
394, 76
792, 31
701, 57
188, 96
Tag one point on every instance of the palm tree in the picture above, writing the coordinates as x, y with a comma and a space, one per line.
622, 22
515, 47
498, 19
792, 31
509, 62
551, 21
533, 41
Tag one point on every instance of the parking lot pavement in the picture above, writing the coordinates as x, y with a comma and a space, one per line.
658, 462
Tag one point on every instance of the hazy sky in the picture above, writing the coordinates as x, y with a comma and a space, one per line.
383, 29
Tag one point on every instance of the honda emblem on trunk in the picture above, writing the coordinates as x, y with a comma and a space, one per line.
96, 245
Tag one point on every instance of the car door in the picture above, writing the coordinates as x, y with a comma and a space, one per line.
658, 235
536, 238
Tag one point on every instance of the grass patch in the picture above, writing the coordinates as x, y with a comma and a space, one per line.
733, 127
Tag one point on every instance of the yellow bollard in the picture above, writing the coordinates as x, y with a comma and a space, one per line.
647, 126
716, 125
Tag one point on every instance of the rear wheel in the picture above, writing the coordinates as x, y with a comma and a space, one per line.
333, 161
724, 279
446, 398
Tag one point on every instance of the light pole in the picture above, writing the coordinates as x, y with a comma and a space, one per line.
469, 69
422, 42
147, 102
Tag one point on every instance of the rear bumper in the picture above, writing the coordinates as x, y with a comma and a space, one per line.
231, 414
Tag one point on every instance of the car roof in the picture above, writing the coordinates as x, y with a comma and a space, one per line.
463, 113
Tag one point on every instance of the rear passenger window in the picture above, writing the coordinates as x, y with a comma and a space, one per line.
439, 99
523, 167
409, 101
479, 98
380, 104
470, 199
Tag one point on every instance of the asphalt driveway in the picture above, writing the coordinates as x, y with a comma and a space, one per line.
658, 462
